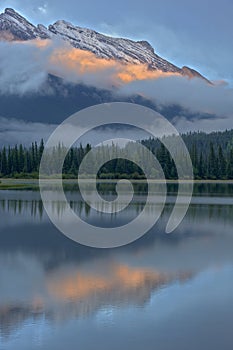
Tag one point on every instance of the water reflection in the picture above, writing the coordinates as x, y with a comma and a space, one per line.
73, 292
31, 205
47, 279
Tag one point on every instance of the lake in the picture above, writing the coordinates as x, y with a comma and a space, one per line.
164, 291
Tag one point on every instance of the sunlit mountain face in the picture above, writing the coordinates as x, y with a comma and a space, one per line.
107, 51
63, 68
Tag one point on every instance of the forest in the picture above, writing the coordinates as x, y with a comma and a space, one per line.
211, 155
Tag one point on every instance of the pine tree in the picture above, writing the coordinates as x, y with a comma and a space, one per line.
230, 165
212, 166
222, 164
4, 170
15, 159
21, 158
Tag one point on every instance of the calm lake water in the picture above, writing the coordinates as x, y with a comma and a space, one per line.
162, 292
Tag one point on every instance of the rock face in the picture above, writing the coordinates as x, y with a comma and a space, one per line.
13, 26
124, 50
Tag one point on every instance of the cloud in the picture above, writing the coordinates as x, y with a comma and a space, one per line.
24, 68
14, 131
77, 65
194, 95
43, 9
184, 125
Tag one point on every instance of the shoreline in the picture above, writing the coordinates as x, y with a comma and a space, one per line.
6, 184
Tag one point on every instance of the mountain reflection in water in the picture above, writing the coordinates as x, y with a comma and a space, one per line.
45, 277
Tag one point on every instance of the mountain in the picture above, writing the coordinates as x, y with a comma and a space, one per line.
67, 99
57, 99
14, 27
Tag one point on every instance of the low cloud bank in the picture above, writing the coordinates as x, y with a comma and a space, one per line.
13, 131
24, 69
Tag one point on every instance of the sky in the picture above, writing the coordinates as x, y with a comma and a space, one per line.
194, 33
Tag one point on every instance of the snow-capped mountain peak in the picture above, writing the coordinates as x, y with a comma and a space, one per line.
14, 26
124, 50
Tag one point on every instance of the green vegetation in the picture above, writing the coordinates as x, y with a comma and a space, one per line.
211, 154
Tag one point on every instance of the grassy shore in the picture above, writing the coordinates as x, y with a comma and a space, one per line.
27, 184
8, 184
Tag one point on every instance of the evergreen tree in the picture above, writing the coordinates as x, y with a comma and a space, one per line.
4, 168
212, 164
222, 164
21, 159
230, 165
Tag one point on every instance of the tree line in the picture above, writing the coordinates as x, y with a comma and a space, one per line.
211, 155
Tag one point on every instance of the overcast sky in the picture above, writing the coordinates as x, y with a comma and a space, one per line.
195, 33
